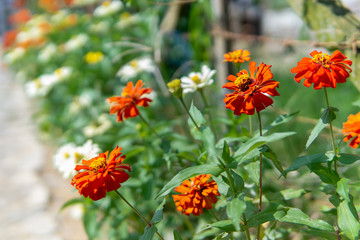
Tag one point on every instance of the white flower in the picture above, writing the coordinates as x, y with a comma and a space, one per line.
100, 27
14, 55
83, 2
108, 8
59, 16
69, 155
48, 51
197, 80
102, 125
42, 85
76, 42
79, 102
126, 19
77, 211
134, 67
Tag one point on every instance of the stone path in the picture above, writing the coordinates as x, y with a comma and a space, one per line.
31, 191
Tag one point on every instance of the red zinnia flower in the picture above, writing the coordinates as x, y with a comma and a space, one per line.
196, 194
126, 105
322, 70
237, 56
351, 129
9, 38
251, 92
21, 16
101, 174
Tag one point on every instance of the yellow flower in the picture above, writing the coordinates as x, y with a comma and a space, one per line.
94, 57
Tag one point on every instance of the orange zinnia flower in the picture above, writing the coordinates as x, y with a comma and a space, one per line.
21, 16
9, 38
351, 129
196, 194
101, 174
322, 70
126, 105
251, 92
237, 56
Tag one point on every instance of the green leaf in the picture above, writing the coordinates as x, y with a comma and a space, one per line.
90, 224
326, 175
271, 213
280, 120
223, 186
225, 225
188, 156
329, 115
197, 116
258, 141
345, 158
177, 235
238, 181
226, 153
158, 215
271, 155
187, 173
234, 210
342, 188
253, 171
319, 233
149, 233
293, 193
296, 216
205, 135
220, 143
307, 160
72, 202
320, 125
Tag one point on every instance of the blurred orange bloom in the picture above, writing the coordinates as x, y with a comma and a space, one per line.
21, 16
196, 194
101, 174
251, 92
237, 56
322, 70
351, 129
125, 106
19, 3
53, 5
9, 38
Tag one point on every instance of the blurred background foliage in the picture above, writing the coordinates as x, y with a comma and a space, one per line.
179, 37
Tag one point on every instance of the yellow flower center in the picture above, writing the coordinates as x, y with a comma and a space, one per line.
125, 15
134, 64
66, 155
78, 157
243, 82
196, 79
106, 3
58, 71
321, 58
94, 57
37, 83
97, 164
174, 85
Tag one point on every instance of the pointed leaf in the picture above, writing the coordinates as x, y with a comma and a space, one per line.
342, 188
149, 233
158, 215
187, 173
320, 125
329, 115
346, 158
234, 210
280, 120
177, 235
296, 216
197, 116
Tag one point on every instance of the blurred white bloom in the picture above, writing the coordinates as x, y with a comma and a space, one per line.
59, 16
79, 102
69, 155
77, 211
100, 27
108, 8
134, 67
197, 80
14, 55
126, 19
76, 42
47, 52
83, 2
42, 85
29, 34
36, 20
101, 126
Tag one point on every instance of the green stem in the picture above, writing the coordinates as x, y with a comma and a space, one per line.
246, 228
137, 212
250, 126
208, 111
260, 178
147, 124
213, 214
187, 111
331, 130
